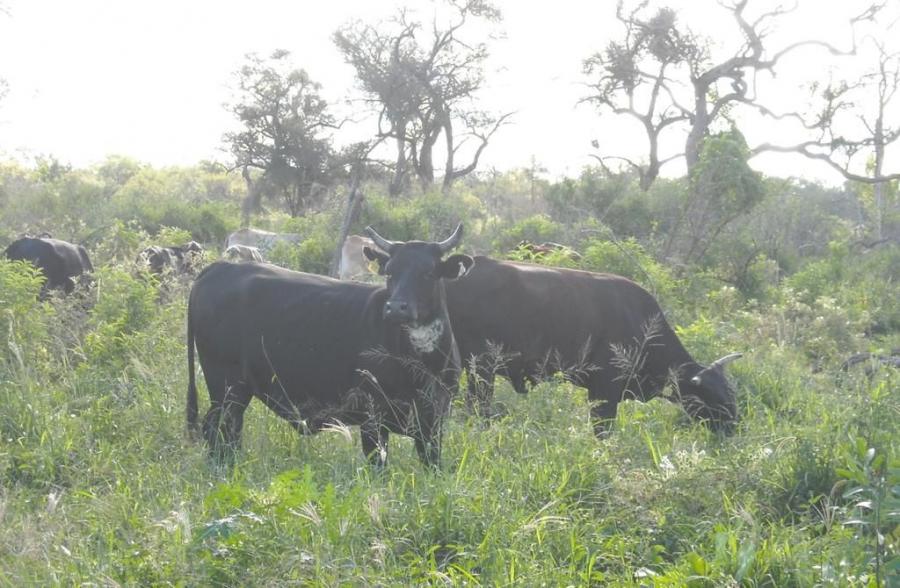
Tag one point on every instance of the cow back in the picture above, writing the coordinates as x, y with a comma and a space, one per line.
540, 313
58, 259
314, 328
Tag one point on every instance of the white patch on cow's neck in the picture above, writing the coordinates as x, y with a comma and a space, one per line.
425, 338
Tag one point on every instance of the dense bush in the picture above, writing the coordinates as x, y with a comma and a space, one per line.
425, 217
536, 229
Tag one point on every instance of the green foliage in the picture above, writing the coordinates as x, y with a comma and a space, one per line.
593, 192
865, 285
125, 305
118, 243
723, 177
627, 258
428, 216
23, 320
313, 254
874, 493
537, 229
98, 479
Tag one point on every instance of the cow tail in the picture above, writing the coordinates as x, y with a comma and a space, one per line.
192, 411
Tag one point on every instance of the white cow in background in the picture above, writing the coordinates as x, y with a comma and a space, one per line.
262, 240
242, 253
354, 265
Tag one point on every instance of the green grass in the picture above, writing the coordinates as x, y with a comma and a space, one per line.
100, 485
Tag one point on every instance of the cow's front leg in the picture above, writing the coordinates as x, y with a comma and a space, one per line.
428, 445
603, 415
427, 425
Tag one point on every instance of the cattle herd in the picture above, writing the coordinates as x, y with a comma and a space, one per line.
388, 357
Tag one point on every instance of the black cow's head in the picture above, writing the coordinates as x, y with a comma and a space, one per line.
414, 271
717, 402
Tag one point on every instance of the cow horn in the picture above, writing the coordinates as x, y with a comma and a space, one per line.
451, 241
381, 242
723, 361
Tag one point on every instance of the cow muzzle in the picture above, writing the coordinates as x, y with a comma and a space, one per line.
400, 312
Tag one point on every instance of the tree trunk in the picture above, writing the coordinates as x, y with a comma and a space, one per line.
354, 205
248, 206
700, 122
398, 183
425, 169
448, 167
650, 174
878, 189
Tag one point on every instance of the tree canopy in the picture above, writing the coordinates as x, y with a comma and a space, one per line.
423, 81
286, 135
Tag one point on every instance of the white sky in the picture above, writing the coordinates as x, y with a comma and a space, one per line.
90, 78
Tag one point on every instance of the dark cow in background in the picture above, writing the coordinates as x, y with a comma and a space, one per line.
262, 240
354, 264
182, 259
872, 361
59, 261
316, 350
240, 253
605, 332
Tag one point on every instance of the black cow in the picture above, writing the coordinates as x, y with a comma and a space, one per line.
316, 350
603, 331
60, 261
178, 259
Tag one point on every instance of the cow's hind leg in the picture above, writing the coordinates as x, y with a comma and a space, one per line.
374, 436
604, 397
480, 387
224, 420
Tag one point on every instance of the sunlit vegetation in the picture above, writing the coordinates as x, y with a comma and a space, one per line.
100, 484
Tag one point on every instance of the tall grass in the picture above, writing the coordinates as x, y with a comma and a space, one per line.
100, 485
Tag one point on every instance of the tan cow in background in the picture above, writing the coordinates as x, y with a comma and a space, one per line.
354, 265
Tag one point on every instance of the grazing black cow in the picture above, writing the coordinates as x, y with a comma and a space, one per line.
178, 259
603, 331
60, 261
316, 350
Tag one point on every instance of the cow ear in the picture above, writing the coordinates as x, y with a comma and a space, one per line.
375, 255
455, 266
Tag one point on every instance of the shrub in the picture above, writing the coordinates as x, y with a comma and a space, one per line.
537, 229
628, 258
23, 319
125, 305
429, 216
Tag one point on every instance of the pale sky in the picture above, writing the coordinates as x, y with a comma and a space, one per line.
90, 78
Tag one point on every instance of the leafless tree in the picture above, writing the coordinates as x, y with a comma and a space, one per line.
851, 129
663, 75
